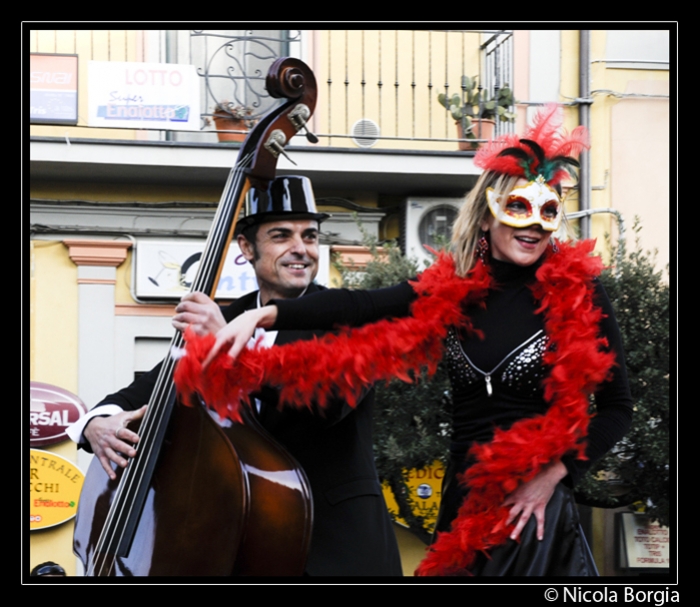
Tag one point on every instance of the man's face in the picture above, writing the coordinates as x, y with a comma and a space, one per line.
284, 257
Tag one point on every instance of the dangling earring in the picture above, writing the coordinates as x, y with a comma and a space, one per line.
554, 245
482, 249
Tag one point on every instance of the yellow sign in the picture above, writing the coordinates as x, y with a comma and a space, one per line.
425, 491
54, 489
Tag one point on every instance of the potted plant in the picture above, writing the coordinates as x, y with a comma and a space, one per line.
475, 113
228, 117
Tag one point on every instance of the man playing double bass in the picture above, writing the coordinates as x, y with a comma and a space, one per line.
352, 532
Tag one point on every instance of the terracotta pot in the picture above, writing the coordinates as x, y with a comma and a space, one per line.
481, 128
225, 122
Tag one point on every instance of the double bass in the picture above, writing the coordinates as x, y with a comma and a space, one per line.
201, 497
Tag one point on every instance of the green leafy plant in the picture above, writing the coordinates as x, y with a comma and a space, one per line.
636, 472
473, 103
387, 267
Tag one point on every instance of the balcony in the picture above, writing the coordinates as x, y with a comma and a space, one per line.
377, 112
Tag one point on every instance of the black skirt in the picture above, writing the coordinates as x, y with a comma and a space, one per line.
562, 552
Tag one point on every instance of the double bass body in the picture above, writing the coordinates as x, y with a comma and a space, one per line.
193, 514
212, 509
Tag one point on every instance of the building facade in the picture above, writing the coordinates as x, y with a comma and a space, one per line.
387, 150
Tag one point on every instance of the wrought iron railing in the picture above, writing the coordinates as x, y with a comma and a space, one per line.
497, 71
376, 87
233, 67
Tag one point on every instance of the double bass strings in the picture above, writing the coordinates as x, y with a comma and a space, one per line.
133, 478
124, 504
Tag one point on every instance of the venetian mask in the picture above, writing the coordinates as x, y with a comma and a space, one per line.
532, 203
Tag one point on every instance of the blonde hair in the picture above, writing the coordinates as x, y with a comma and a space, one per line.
466, 230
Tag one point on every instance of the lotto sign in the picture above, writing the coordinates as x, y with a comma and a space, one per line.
143, 95
54, 489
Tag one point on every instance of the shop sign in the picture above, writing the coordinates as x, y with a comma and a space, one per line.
132, 95
425, 490
53, 89
644, 544
166, 269
54, 489
51, 411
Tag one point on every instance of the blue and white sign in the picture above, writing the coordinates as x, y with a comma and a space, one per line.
143, 95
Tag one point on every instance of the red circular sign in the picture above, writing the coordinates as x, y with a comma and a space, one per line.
51, 411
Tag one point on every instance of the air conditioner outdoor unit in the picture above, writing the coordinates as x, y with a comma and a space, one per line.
428, 221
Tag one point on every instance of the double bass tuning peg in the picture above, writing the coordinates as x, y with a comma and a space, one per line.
275, 145
310, 137
298, 117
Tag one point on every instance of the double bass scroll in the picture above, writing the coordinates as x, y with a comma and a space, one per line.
193, 500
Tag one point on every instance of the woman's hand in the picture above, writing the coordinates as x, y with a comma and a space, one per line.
532, 498
236, 334
111, 440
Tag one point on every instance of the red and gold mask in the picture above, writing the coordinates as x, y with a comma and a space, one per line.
532, 203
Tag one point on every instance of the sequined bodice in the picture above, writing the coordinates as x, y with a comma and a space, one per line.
520, 371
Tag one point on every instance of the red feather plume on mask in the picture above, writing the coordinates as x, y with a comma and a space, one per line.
558, 146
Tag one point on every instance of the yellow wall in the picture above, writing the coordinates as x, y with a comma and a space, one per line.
122, 290
408, 57
53, 359
642, 160
53, 316
123, 192
630, 156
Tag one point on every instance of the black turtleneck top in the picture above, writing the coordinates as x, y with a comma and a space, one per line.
510, 354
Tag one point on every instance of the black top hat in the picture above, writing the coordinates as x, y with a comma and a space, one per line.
288, 197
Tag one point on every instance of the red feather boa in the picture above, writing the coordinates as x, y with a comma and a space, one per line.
337, 365
577, 363
340, 365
